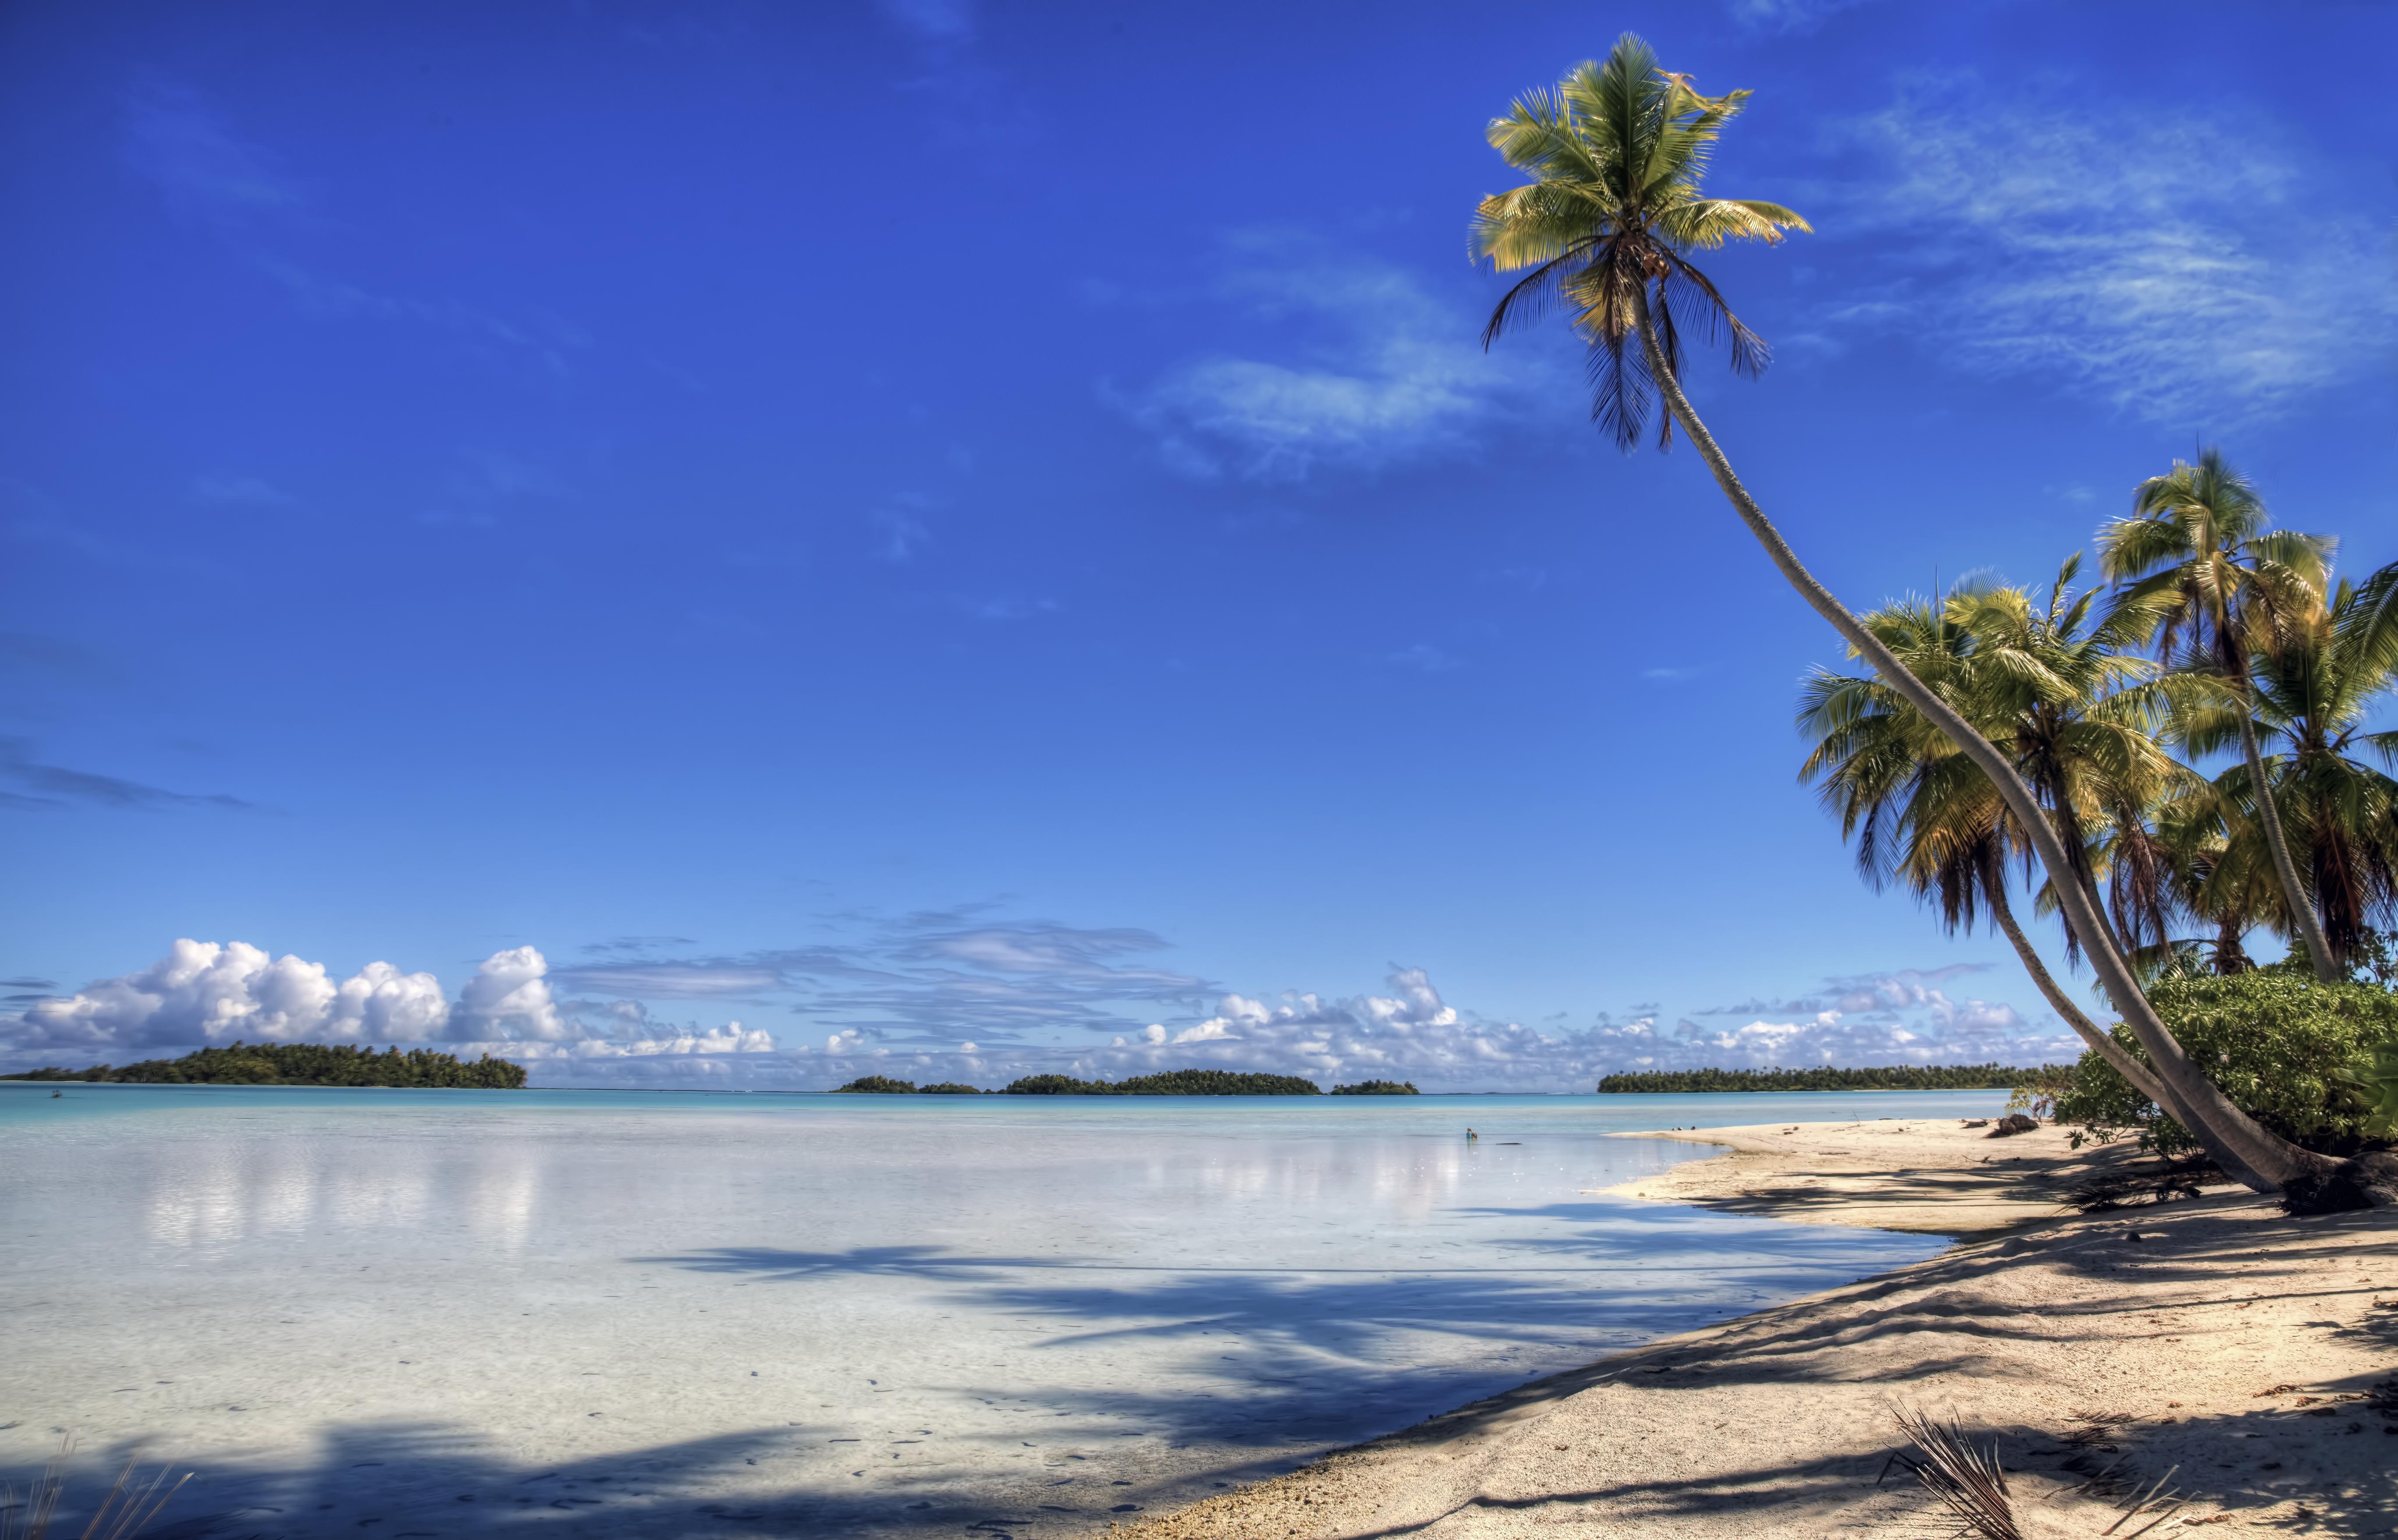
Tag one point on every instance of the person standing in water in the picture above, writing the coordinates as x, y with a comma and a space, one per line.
1471, 1136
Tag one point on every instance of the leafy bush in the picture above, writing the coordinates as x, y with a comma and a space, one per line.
1894, 1077
877, 1084
303, 1064
950, 1087
1378, 1088
2292, 1053
1169, 1083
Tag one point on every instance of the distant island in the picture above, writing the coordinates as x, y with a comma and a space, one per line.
1169, 1083
1894, 1077
303, 1064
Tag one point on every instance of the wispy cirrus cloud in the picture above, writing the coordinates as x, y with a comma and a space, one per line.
40, 785
205, 170
2189, 268
197, 159
934, 20
1379, 375
1787, 15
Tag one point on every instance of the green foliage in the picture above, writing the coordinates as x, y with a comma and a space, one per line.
2379, 1074
1169, 1083
877, 1084
1896, 1077
2306, 1060
303, 1064
950, 1087
1618, 157
1378, 1088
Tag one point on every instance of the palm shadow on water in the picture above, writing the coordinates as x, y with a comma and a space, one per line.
1278, 1364
1321, 1355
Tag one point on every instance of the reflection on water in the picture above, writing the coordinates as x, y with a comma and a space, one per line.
220, 1196
737, 1300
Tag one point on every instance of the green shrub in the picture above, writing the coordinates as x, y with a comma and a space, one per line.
2292, 1053
877, 1084
950, 1087
1378, 1088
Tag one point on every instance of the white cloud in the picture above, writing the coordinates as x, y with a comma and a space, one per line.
1395, 377
1906, 1016
508, 1000
1036, 998
731, 1037
2192, 269
201, 992
379, 1004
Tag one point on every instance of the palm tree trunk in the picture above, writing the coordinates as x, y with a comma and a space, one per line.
2303, 918
2268, 1160
2142, 1079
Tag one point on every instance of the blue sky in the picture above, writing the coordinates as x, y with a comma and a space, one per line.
908, 525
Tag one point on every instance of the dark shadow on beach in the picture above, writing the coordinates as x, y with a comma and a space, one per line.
2282, 1449
417, 1482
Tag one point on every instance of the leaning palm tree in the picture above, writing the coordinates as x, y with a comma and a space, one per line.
1618, 155
2199, 538
1923, 815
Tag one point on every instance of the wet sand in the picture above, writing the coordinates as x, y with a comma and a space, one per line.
2249, 1353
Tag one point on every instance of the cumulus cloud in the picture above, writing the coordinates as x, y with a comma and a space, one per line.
508, 1000
730, 1038
2180, 265
956, 996
1393, 376
1905, 1017
203, 992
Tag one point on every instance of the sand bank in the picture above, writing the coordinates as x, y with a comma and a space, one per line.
2252, 1351
1942, 1177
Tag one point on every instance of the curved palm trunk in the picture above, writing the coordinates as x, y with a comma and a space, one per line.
2266, 1160
2303, 918
2142, 1079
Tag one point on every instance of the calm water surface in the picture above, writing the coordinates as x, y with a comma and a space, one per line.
396, 1313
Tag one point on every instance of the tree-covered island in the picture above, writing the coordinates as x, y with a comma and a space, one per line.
1894, 1077
303, 1064
1165, 1083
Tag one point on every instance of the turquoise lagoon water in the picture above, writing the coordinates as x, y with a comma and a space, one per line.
396, 1313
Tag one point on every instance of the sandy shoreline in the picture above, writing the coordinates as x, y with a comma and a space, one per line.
2251, 1354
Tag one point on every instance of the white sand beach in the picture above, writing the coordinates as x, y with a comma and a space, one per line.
2248, 1355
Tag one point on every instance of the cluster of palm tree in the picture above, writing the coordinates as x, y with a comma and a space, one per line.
2001, 735
2219, 635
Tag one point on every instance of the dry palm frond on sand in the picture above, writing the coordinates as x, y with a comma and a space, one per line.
1967, 1480
125, 1511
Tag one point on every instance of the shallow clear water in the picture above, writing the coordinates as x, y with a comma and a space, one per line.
430, 1313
